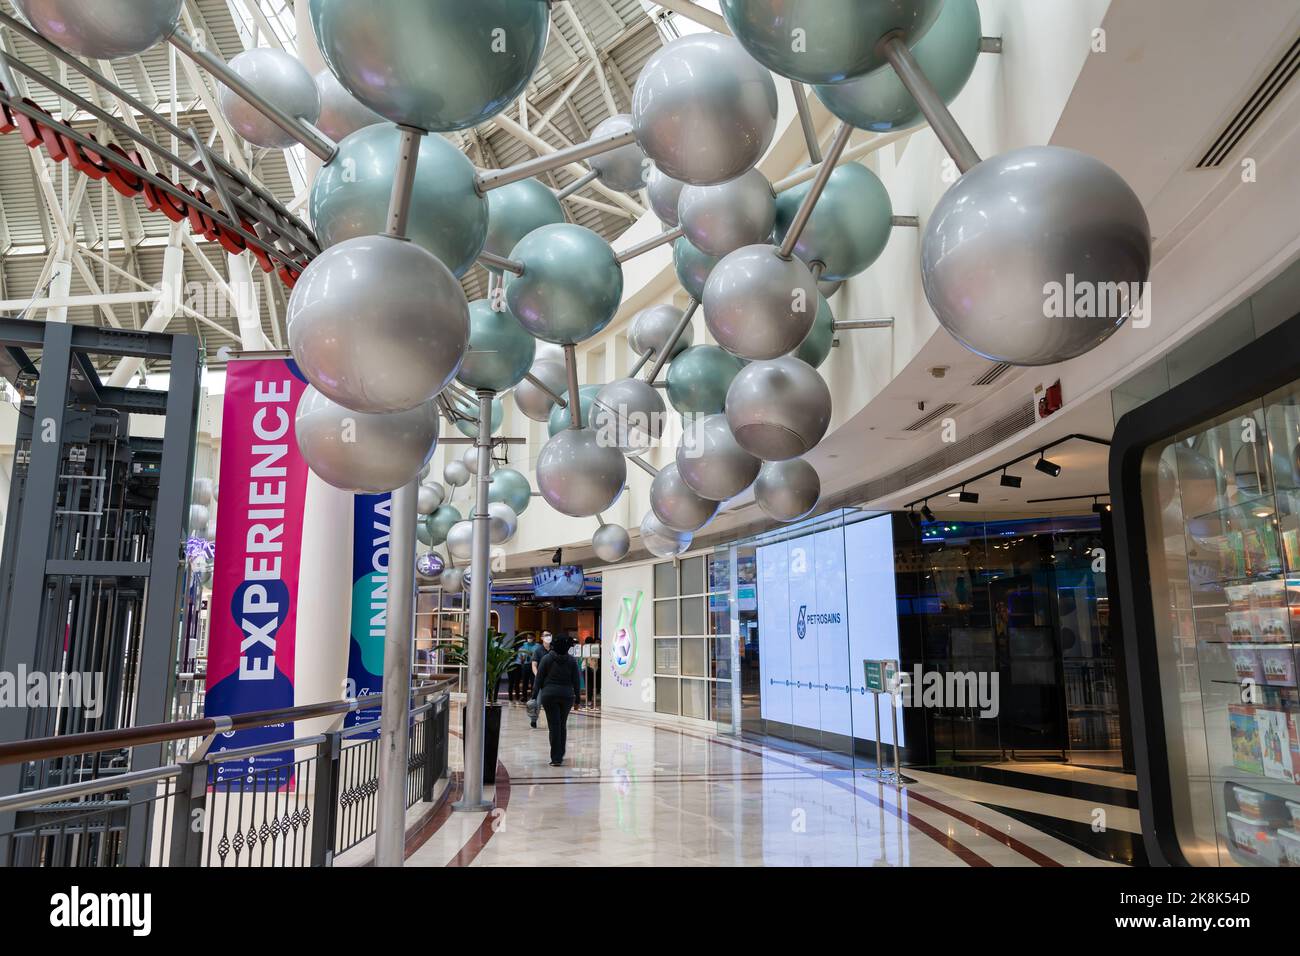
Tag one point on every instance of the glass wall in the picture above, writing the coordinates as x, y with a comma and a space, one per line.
693, 637
1223, 535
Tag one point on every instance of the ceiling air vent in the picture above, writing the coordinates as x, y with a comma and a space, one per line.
993, 373
1253, 109
931, 416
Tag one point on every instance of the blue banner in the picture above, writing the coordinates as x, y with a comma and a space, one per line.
370, 551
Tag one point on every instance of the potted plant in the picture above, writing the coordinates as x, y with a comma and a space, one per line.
502, 652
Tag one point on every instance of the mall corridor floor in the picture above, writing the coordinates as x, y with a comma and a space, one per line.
636, 792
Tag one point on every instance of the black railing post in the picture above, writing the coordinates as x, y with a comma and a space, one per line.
189, 807
430, 742
326, 799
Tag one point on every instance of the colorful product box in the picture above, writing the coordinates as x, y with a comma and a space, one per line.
1272, 625
1279, 744
1245, 739
1241, 625
1245, 662
1276, 665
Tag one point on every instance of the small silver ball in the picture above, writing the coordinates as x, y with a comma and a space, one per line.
103, 29
611, 543
578, 475
778, 409
720, 219
502, 522
758, 305
427, 500
455, 474
629, 413
453, 580
623, 169
534, 402
460, 540
283, 81
663, 192
787, 490
341, 113
652, 327
712, 463
663, 542
676, 505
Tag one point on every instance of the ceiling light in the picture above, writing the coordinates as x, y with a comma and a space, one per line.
1047, 467
968, 497
1009, 481
926, 513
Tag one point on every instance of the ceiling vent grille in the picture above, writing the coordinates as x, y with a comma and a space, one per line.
930, 417
1253, 109
993, 373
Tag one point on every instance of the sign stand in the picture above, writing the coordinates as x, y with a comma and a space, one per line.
881, 677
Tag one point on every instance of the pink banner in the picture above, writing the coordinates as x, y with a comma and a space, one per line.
254, 609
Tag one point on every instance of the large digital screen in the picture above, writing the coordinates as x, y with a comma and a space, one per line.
565, 580
826, 603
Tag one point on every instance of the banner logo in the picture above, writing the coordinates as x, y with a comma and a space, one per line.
622, 659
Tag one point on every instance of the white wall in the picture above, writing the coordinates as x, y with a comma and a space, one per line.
635, 691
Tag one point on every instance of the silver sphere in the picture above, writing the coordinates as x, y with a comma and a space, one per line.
341, 113
652, 327
349, 196
502, 522
378, 324
624, 169
283, 81
102, 29
693, 267
578, 475
201, 493
663, 192
571, 287
629, 413
849, 227
460, 540
512, 488
469, 458
711, 462
199, 519
437, 488
500, 350
516, 210
534, 402
440, 523
720, 219
361, 452
676, 504
758, 305
453, 580
549, 352
663, 542
704, 110
435, 66
778, 409
427, 500
455, 474
787, 490
611, 543
836, 39
1036, 256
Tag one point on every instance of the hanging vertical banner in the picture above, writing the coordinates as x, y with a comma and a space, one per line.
370, 549
254, 606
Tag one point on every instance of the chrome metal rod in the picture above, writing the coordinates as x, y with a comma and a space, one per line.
399, 200
931, 104
546, 390
646, 356
480, 590
907, 221
575, 396
852, 325
645, 466
496, 178
990, 44
582, 182
682, 324
301, 132
501, 262
805, 210
806, 121
394, 718
654, 242
701, 15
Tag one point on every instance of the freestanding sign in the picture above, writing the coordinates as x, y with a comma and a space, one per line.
254, 610
370, 550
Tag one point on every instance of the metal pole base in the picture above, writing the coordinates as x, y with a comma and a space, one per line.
481, 806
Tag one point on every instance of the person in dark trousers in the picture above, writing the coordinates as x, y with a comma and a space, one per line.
541, 651
558, 686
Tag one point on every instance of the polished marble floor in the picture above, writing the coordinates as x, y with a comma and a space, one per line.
634, 791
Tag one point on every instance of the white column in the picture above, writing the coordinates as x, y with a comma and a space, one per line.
60, 287
173, 286
247, 310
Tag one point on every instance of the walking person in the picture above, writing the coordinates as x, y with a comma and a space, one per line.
526, 675
538, 653
558, 686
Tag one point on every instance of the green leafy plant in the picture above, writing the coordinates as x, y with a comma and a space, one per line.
502, 651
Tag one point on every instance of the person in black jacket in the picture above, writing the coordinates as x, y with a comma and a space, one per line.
558, 686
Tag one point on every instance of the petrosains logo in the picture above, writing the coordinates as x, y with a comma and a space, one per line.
75, 909
801, 628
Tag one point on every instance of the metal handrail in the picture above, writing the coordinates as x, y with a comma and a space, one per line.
40, 748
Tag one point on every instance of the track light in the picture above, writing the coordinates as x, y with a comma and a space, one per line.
926, 513
1047, 467
1099, 507
968, 497
1009, 481
558, 556
913, 517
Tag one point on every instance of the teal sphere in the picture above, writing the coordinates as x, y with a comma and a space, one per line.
693, 267
849, 227
470, 428
350, 196
824, 41
516, 210
946, 54
698, 379
500, 351
571, 287
439, 523
437, 66
817, 346
510, 487
559, 419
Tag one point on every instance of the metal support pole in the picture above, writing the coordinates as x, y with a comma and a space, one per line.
646, 356
853, 325
805, 210
399, 201
546, 390
644, 465
806, 121
880, 770
480, 589
500, 262
906, 221
294, 126
662, 358
893, 719
490, 179
582, 182
990, 44
954, 141
654, 242
575, 395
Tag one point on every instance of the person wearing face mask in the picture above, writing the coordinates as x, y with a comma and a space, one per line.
538, 654
559, 685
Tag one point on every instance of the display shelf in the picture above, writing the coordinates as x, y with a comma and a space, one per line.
1273, 786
